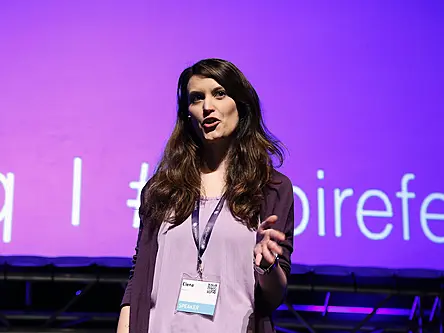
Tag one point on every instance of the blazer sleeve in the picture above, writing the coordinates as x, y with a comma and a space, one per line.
127, 295
279, 201
286, 212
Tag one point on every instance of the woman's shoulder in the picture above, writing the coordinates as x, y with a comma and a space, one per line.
145, 189
280, 183
279, 200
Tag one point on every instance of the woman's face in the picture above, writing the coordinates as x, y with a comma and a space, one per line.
213, 112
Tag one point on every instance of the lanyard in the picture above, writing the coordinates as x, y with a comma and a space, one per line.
207, 232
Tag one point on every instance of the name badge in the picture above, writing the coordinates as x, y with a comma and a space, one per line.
198, 297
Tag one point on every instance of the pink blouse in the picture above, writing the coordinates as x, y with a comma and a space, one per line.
228, 258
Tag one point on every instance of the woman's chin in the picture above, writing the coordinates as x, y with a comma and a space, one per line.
212, 137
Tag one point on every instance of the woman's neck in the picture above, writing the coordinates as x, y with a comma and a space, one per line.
214, 166
214, 157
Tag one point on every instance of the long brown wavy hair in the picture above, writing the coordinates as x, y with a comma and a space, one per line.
175, 187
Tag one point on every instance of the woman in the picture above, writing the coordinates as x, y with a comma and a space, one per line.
204, 261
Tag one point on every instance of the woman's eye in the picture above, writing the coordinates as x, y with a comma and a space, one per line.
195, 98
221, 93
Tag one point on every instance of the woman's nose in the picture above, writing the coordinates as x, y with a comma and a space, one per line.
208, 106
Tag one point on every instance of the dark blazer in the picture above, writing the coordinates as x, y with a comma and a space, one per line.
278, 200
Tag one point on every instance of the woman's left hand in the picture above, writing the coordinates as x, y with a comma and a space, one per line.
268, 247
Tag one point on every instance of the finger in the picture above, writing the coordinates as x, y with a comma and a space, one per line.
257, 249
258, 253
258, 259
274, 247
267, 223
275, 235
268, 256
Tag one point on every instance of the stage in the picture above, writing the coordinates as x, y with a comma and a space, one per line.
86, 298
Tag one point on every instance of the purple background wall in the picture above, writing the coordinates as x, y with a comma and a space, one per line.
354, 90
